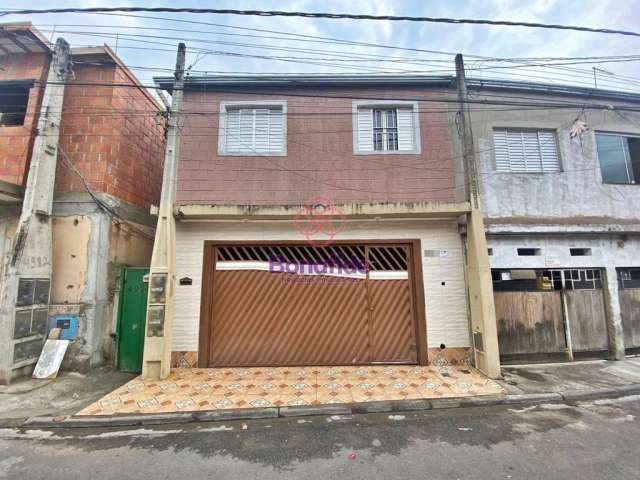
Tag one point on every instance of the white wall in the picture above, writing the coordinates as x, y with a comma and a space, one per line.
577, 192
446, 305
606, 251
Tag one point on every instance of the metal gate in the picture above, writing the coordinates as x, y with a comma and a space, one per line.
543, 314
629, 291
345, 304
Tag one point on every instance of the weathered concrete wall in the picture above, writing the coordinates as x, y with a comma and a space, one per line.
606, 250
70, 252
89, 251
556, 211
574, 195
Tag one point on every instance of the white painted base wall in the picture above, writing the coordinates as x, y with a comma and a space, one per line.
444, 280
607, 251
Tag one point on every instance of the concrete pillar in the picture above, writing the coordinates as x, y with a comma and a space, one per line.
156, 363
481, 306
28, 272
614, 316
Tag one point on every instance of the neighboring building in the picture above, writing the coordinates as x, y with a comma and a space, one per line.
111, 143
563, 218
348, 184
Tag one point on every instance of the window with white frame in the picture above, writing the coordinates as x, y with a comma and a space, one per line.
252, 129
386, 128
520, 150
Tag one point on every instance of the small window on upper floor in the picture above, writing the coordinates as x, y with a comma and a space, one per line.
619, 158
520, 150
253, 128
13, 105
386, 128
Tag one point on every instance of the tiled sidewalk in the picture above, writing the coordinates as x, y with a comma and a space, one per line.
223, 388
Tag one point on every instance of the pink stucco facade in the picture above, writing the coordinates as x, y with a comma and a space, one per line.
320, 160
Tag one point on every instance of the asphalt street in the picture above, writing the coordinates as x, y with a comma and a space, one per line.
592, 440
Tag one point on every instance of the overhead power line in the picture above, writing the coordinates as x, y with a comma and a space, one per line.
332, 16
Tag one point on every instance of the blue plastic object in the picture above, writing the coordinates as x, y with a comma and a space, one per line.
68, 325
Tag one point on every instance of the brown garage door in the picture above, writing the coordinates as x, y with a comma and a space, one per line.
302, 305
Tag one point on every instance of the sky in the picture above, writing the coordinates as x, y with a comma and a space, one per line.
151, 52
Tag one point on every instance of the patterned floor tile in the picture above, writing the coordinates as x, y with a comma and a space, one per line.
225, 388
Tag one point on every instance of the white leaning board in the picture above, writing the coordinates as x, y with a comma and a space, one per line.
50, 358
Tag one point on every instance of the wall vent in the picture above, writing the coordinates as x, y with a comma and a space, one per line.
529, 252
580, 252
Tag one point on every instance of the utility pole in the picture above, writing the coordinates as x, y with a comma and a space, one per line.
160, 306
468, 152
480, 287
24, 301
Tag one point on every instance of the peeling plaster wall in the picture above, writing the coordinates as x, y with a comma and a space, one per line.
9, 216
70, 239
79, 283
129, 247
88, 253
570, 203
575, 192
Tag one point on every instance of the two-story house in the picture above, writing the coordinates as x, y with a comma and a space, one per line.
109, 169
318, 223
559, 183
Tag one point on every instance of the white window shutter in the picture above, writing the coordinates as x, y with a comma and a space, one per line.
232, 132
532, 160
549, 152
515, 147
276, 130
406, 141
501, 146
365, 130
250, 130
525, 151
261, 130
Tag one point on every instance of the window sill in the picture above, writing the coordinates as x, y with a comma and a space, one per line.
252, 154
391, 152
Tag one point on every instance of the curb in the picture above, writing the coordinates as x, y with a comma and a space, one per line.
570, 397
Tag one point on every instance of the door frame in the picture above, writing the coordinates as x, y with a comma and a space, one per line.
416, 287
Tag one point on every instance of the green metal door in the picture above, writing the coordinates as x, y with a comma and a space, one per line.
131, 318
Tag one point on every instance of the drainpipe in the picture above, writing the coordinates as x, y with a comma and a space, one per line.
480, 287
24, 299
156, 362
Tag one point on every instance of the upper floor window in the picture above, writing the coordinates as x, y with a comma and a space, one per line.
520, 150
13, 104
386, 128
252, 128
619, 158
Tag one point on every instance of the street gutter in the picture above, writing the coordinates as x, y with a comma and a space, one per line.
75, 421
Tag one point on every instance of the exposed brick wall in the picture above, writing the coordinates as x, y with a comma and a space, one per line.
320, 160
112, 136
16, 142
